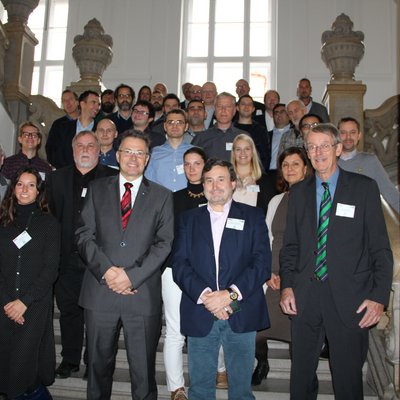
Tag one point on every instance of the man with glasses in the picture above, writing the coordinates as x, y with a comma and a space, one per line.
217, 140
29, 139
106, 133
124, 98
125, 235
336, 269
208, 95
166, 162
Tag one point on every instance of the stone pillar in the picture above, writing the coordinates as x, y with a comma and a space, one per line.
92, 53
18, 67
342, 49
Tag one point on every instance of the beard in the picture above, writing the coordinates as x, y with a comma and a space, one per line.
107, 107
125, 105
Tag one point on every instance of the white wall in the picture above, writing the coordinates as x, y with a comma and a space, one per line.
147, 42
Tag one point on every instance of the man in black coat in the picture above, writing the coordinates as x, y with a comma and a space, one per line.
66, 189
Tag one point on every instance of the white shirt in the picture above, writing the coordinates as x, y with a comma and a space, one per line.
134, 189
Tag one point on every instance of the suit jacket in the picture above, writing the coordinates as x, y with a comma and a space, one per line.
320, 110
359, 257
59, 188
244, 261
141, 249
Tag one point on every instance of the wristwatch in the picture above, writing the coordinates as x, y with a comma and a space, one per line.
232, 294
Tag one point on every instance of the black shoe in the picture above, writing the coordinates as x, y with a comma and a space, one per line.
65, 369
85, 374
324, 351
260, 373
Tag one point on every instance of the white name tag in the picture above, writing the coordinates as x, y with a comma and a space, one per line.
228, 146
345, 210
84, 191
42, 175
234, 223
22, 239
202, 205
253, 188
259, 112
179, 169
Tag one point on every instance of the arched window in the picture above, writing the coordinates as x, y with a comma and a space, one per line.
225, 40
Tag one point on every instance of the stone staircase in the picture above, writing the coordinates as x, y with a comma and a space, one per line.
275, 387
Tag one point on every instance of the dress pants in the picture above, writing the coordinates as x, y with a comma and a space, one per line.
141, 335
239, 360
174, 340
348, 348
67, 290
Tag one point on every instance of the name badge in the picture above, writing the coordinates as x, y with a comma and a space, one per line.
22, 239
179, 169
253, 188
228, 146
259, 112
345, 210
42, 175
84, 191
234, 223
202, 205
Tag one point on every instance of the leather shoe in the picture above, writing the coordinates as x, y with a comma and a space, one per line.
260, 373
65, 369
222, 380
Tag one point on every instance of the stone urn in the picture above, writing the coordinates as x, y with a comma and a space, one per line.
19, 10
342, 49
92, 51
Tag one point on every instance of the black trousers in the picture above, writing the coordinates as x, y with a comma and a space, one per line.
348, 348
67, 290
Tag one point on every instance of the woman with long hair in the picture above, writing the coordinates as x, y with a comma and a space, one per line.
29, 257
293, 167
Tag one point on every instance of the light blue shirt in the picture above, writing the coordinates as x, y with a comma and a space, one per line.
320, 189
166, 166
80, 127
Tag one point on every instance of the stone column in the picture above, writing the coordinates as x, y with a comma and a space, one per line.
92, 53
18, 67
342, 49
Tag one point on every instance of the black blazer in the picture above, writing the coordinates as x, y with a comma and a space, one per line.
359, 258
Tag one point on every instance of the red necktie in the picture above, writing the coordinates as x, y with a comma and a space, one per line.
126, 205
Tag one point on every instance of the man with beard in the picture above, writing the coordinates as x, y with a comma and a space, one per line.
197, 114
125, 97
66, 189
58, 146
157, 101
107, 104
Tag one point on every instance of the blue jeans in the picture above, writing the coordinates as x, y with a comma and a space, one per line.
239, 349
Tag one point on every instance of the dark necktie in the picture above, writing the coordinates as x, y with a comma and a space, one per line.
126, 204
321, 269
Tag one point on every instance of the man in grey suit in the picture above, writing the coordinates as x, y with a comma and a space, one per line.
125, 235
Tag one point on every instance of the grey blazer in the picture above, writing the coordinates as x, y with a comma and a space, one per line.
141, 249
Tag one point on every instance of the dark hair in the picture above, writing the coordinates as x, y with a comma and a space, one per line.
107, 91
245, 96
9, 204
196, 101
349, 119
145, 103
70, 91
135, 134
279, 105
141, 89
309, 115
272, 91
196, 150
122, 86
305, 80
178, 111
171, 96
86, 94
281, 184
215, 162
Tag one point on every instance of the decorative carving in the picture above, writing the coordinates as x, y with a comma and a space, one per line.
19, 10
381, 130
342, 49
92, 52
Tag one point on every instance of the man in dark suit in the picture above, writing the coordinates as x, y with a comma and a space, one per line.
66, 190
221, 259
335, 268
125, 236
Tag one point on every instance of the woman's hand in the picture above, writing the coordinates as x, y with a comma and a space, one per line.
275, 282
15, 311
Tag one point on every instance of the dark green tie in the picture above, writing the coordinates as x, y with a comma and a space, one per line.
321, 269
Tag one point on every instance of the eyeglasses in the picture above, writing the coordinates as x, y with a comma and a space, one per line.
140, 112
136, 153
323, 148
26, 135
309, 126
178, 122
124, 96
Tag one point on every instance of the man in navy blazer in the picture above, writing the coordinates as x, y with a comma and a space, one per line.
221, 259
343, 303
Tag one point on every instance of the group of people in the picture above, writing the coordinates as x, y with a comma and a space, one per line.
237, 219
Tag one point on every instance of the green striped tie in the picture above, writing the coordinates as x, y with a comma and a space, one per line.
321, 269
